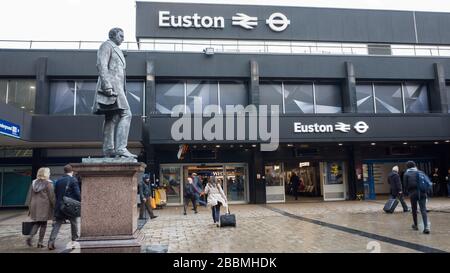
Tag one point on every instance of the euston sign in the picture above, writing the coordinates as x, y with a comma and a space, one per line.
9, 129
276, 21
360, 127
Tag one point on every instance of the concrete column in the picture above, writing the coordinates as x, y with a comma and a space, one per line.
254, 83
438, 98
257, 183
42, 87
349, 101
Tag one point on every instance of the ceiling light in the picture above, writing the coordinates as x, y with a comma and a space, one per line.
436, 142
340, 144
290, 145
447, 141
373, 144
217, 146
253, 145
405, 143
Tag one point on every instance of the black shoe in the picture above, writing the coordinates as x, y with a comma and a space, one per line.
51, 246
196, 211
414, 227
426, 231
184, 213
153, 217
408, 210
29, 242
41, 245
218, 225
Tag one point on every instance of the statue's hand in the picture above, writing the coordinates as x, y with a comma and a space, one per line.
110, 92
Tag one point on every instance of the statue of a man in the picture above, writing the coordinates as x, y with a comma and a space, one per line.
110, 98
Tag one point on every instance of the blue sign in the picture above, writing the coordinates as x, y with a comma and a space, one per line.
9, 129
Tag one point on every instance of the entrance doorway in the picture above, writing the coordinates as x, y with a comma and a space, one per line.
309, 176
233, 177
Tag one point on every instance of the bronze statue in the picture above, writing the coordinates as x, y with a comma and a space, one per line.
110, 98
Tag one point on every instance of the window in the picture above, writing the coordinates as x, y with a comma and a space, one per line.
168, 95
416, 98
19, 93
299, 98
172, 93
328, 98
404, 97
68, 97
364, 97
448, 97
205, 90
85, 91
233, 93
270, 93
388, 98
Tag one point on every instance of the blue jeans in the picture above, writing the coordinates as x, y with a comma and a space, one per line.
216, 212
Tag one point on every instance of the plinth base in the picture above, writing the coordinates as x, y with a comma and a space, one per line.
112, 244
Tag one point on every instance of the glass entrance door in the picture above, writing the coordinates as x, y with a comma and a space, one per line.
235, 183
334, 180
274, 176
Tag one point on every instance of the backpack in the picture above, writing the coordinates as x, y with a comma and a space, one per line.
423, 182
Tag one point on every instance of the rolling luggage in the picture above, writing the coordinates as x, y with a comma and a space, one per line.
26, 227
390, 205
228, 219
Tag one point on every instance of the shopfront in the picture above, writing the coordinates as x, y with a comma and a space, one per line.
233, 177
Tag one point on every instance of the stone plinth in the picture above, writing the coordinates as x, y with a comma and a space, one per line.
109, 206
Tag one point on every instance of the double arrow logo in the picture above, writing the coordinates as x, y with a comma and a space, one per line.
244, 21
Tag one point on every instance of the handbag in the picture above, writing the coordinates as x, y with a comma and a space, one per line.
152, 202
26, 227
70, 207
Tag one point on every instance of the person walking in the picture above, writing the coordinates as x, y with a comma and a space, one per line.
216, 198
295, 182
411, 185
190, 193
447, 179
67, 186
199, 190
145, 193
41, 204
396, 187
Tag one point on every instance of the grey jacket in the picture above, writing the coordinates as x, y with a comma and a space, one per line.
111, 67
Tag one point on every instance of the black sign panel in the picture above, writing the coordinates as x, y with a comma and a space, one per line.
212, 21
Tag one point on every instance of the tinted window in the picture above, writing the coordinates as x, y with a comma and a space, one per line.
364, 96
168, 95
298, 98
328, 98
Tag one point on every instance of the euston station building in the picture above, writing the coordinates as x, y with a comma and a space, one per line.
355, 92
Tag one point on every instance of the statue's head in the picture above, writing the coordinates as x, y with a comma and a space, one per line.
116, 35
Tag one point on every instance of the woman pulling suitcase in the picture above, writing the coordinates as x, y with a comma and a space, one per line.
216, 198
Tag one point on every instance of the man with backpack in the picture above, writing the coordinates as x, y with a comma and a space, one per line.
417, 184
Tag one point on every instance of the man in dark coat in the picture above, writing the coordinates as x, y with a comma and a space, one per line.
68, 186
411, 185
145, 193
295, 182
396, 187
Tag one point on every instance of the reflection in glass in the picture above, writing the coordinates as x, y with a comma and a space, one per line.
168, 95
328, 98
334, 173
271, 94
206, 90
388, 98
274, 175
233, 93
298, 98
85, 97
171, 181
416, 98
22, 94
364, 97
62, 97
135, 90
235, 177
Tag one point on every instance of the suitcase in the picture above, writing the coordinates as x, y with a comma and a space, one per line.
390, 205
228, 220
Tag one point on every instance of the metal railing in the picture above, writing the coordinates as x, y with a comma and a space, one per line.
242, 46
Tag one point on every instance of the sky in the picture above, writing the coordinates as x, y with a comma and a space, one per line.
90, 20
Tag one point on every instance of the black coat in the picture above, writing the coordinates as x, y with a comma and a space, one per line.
295, 182
60, 188
395, 183
145, 190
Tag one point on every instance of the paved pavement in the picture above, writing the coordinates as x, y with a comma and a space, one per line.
311, 227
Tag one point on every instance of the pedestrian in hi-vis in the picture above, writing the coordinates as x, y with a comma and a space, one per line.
396, 187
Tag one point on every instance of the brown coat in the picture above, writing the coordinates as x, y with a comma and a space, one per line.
41, 203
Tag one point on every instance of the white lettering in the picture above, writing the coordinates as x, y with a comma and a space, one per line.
187, 21
164, 19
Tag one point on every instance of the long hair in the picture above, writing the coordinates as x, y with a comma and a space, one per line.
43, 174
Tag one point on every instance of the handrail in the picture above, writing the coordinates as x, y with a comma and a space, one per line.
241, 46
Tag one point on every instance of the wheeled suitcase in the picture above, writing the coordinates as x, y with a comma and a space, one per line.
26, 227
390, 205
228, 220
